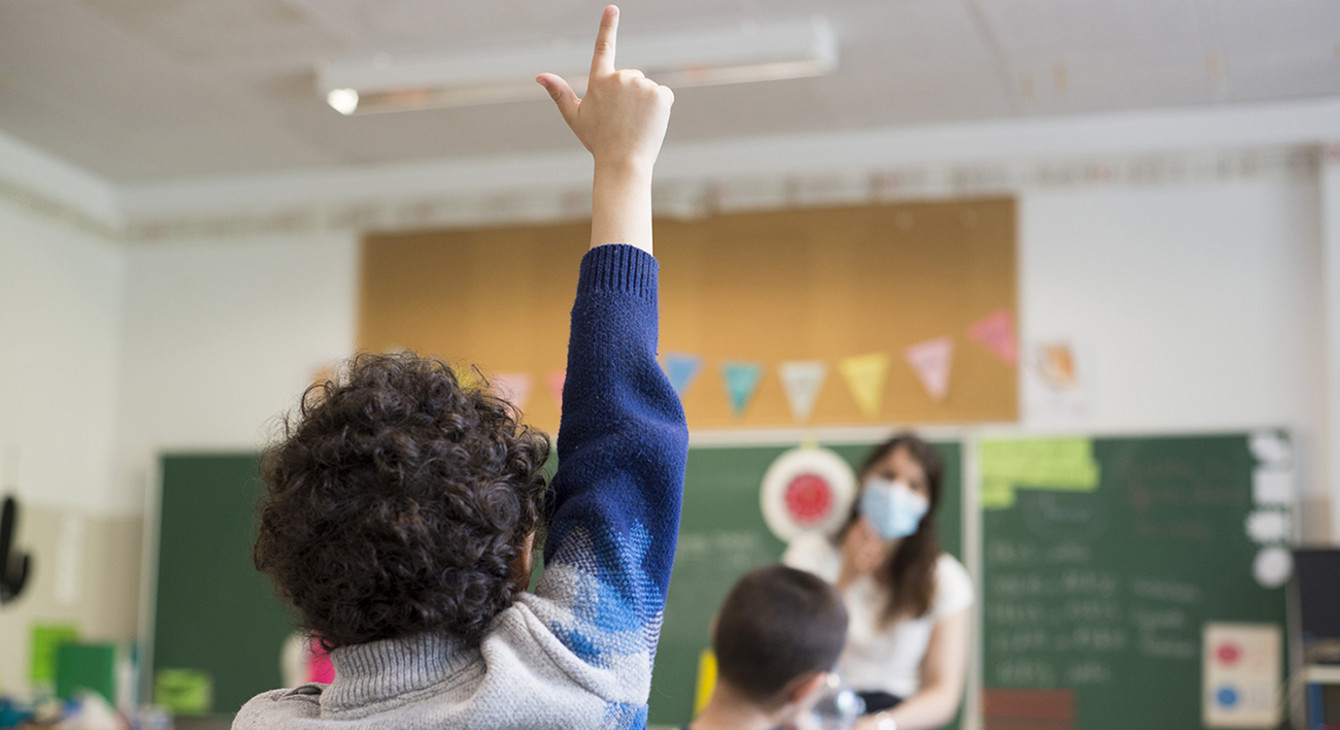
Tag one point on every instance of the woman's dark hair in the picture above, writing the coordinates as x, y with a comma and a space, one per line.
396, 502
776, 625
908, 573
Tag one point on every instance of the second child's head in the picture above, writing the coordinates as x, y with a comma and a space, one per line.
779, 633
400, 501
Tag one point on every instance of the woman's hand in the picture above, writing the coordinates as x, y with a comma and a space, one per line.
623, 117
862, 551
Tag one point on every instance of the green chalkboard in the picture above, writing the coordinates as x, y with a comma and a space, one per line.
722, 534
1103, 562
213, 611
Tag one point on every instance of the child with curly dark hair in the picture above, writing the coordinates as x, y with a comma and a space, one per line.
401, 505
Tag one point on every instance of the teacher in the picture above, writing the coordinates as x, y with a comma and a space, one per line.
908, 602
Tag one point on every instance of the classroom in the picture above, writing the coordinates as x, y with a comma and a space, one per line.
1089, 252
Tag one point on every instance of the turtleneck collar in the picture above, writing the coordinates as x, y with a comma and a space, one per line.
391, 669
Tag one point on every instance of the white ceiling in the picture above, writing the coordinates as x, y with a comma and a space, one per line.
140, 91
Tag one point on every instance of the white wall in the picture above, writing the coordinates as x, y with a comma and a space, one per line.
62, 294
1200, 304
221, 338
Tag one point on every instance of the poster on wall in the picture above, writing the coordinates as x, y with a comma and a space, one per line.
1057, 381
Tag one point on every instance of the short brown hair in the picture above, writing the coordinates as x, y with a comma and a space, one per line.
777, 624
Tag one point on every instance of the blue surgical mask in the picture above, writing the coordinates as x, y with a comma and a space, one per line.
892, 507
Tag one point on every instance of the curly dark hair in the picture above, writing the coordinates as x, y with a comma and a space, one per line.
397, 500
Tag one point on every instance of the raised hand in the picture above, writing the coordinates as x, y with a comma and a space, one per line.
623, 117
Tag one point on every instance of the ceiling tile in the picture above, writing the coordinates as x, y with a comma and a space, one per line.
1046, 31
204, 30
1254, 77
1257, 26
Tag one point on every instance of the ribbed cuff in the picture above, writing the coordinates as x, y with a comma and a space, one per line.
617, 267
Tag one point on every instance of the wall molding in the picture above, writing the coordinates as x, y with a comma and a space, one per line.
1001, 157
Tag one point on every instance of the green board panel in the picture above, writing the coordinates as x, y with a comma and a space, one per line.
214, 612
722, 535
1101, 589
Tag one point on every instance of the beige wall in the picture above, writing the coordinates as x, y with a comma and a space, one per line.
97, 557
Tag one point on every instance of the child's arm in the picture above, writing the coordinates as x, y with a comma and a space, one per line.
622, 445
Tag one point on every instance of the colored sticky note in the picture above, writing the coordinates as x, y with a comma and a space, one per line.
1060, 464
46, 639
741, 381
183, 691
865, 376
86, 667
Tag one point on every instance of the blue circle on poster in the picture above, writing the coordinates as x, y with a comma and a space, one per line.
1227, 696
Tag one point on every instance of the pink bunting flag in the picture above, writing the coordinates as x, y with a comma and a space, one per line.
931, 361
512, 387
555, 382
996, 333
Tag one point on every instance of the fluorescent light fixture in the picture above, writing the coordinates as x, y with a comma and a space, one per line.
759, 52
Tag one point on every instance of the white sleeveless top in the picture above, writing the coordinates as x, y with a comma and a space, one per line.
878, 657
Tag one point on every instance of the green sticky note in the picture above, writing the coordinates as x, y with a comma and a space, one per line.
45, 640
184, 691
1060, 464
86, 667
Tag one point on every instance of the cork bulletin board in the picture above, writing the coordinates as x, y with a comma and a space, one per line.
822, 284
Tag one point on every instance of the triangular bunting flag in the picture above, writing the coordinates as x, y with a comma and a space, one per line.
467, 376
681, 369
996, 333
931, 360
802, 380
555, 382
865, 376
512, 387
741, 381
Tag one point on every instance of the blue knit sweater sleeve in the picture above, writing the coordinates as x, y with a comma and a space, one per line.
622, 444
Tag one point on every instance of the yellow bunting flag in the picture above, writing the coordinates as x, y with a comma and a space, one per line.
468, 376
865, 376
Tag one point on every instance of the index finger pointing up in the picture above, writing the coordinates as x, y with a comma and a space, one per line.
602, 62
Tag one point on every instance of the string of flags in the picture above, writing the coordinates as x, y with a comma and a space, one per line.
931, 361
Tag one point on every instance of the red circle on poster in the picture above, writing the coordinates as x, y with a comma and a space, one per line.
1229, 653
808, 498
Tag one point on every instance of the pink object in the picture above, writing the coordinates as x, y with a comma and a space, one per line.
931, 361
512, 387
319, 668
996, 333
555, 382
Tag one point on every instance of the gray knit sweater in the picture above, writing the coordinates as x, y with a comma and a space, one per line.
578, 652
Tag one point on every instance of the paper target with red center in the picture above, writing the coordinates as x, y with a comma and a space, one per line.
808, 489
